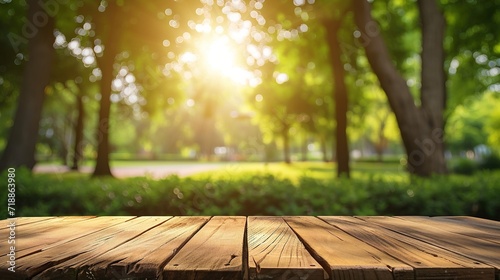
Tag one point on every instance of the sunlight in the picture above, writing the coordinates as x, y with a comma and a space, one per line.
215, 55
219, 56
229, 47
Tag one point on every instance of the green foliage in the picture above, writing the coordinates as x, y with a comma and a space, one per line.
464, 166
475, 123
159, 122
467, 166
472, 47
490, 162
492, 126
401, 33
257, 194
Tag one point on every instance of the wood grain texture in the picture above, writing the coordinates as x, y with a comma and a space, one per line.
428, 261
145, 256
492, 227
346, 256
214, 252
26, 227
25, 221
65, 260
51, 231
275, 252
35, 238
476, 249
458, 228
254, 248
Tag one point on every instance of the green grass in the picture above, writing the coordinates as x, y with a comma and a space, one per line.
139, 163
314, 169
291, 172
297, 170
145, 163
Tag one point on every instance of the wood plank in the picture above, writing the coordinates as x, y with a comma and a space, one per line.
458, 228
23, 227
428, 261
348, 247
59, 231
476, 249
20, 221
214, 252
37, 238
33, 227
345, 256
275, 252
492, 227
63, 261
146, 255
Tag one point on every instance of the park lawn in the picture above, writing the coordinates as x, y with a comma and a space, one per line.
129, 163
294, 171
145, 163
313, 169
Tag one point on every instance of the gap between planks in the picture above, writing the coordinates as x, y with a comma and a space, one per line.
427, 260
375, 222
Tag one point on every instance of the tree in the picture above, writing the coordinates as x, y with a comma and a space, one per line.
379, 125
20, 149
71, 73
295, 91
110, 39
109, 20
472, 47
493, 128
471, 125
421, 126
335, 17
333, 26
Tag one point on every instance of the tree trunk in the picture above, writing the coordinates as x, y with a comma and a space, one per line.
207, 137
63, 151
20, 149
304, 148
382, 142
340, 97
102, 161
323, 149
433, 91
286, 144
78, 144
421, 127
106, 63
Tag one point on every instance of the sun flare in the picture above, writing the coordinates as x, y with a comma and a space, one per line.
217, 56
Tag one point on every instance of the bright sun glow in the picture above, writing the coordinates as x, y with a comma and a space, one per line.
219, 55
216, 56
225, 45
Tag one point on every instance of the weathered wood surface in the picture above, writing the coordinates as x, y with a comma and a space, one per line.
275, 252
326, 247
477, 249
427, 261
345, 256
215, 252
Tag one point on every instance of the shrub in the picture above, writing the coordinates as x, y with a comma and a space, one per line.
464, 166
490, 162
256, 194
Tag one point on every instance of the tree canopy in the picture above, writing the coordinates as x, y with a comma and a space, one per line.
237, 80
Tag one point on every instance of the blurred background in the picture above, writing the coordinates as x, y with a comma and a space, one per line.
320, 95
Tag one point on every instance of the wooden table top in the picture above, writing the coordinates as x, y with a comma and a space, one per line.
235, 247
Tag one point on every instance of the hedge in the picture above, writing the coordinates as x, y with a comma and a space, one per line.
256, 194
